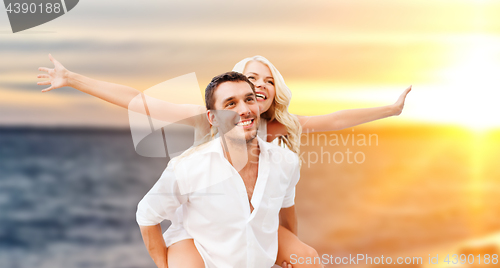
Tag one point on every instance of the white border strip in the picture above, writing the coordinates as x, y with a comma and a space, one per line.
64, 6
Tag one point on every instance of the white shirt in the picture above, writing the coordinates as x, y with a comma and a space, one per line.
217, 214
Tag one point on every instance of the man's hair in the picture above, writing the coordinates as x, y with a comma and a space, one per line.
216, 81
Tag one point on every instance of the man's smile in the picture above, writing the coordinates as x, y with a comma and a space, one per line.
246, 123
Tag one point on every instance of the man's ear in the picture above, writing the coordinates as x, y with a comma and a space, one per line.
211, 118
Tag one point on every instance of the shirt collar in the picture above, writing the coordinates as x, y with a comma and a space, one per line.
215, 146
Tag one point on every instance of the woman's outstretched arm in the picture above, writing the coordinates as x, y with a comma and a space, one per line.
349, 118
119, 95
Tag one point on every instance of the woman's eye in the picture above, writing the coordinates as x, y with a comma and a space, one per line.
271, 82
251, 77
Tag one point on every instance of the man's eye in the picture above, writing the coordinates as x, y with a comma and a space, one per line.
250, 99
229, 104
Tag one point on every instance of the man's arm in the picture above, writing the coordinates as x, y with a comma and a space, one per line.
153, 240
288, 219
159, 204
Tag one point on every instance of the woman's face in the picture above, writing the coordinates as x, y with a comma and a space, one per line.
260, 75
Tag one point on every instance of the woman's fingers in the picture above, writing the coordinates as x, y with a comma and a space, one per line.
44, 69
408, 89
403, 96
285, 265
54, 61
44, 83
54, 75
399, 104
47, 89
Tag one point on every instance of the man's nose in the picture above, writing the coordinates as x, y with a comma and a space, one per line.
243, 109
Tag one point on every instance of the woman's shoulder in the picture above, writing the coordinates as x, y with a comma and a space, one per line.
275, 129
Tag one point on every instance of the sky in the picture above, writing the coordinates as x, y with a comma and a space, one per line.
333, 55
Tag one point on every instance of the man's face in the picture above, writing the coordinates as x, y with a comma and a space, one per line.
237, 114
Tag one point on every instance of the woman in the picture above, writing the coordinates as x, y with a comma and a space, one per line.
273, 97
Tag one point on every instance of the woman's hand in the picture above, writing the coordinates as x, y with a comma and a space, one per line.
400, 103
58, 77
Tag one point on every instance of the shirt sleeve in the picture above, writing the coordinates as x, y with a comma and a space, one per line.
161, 202
289, 199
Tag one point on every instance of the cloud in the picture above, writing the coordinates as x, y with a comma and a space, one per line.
339, 43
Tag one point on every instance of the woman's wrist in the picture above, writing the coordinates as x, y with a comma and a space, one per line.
394, 110
69, 77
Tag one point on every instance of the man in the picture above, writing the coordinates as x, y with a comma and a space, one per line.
231, 189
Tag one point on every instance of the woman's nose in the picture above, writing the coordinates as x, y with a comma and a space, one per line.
259, 83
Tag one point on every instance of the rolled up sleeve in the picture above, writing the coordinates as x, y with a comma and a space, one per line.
161, 202
289, 199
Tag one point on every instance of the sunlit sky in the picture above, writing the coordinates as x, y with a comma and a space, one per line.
333, 55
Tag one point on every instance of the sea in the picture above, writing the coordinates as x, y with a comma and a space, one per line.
68, 198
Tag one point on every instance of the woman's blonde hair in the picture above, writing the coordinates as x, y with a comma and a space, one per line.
279, 107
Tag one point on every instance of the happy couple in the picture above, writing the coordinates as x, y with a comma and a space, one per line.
230, 190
